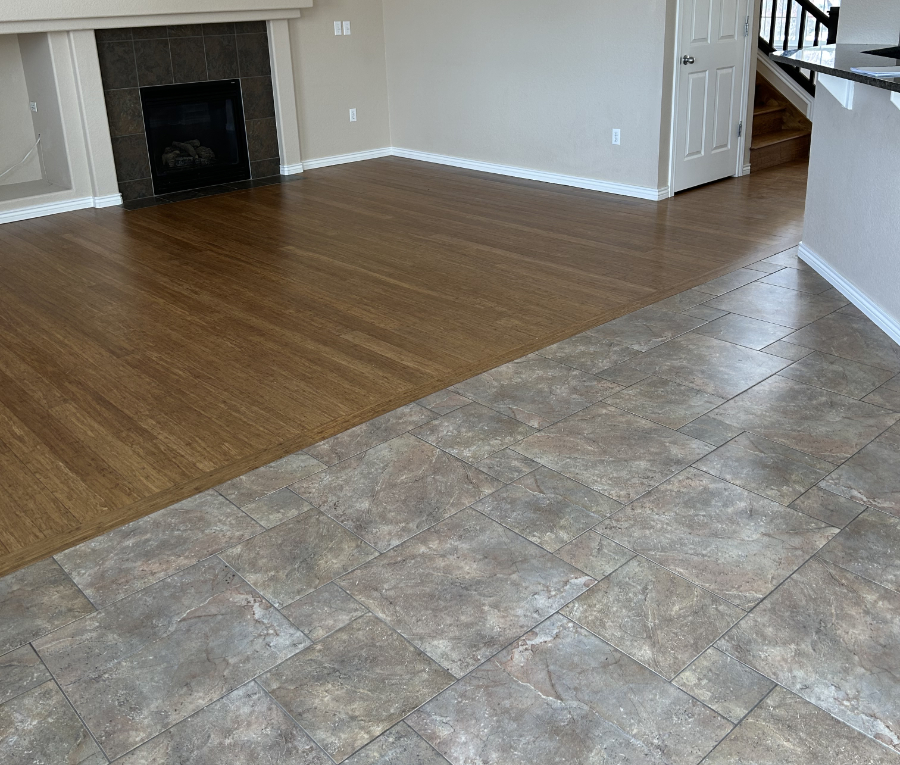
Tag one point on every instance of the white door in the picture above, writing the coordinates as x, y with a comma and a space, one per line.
710, 85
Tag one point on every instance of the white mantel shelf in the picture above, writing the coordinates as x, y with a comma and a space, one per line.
25, 16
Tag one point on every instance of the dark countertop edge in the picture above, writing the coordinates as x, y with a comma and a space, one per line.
892, 83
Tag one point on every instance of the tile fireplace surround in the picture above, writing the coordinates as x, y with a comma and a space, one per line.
148, 56
99, 98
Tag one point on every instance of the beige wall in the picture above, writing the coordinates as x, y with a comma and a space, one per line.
16, 128
869, 21
853, 196
531, 84
334, 74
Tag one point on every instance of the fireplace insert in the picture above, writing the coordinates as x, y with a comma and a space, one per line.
195, 134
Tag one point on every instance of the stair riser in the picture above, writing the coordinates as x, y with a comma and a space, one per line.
779, 153
768, 123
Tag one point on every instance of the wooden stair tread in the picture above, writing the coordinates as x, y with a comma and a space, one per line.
780, 136
757, 110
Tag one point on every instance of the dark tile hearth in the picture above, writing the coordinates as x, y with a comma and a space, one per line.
132, 58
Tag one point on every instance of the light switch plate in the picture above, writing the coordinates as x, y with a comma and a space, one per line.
346, 27
337, 28
353, 115
617, 137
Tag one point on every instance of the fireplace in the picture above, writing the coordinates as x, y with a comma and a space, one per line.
195, 135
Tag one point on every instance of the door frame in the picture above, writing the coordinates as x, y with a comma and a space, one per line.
753, 12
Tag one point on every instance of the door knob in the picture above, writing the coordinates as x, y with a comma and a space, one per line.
687, 60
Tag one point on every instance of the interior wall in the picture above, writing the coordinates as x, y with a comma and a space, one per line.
869, 21
531, 84
16, 127
334, 74
853, 195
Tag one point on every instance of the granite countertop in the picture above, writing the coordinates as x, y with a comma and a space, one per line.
838, 60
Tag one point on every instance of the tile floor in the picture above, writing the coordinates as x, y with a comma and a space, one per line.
674, 538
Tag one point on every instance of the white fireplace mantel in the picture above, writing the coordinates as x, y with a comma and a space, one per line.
24, 16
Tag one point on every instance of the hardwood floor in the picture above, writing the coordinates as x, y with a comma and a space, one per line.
149, 355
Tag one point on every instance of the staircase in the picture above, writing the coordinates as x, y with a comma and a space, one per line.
780, 132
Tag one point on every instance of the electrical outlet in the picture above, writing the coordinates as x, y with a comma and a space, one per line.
33, 105
346, 27
353, 115
617, 137
337, 28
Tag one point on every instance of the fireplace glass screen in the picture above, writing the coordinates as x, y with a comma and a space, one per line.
195, 134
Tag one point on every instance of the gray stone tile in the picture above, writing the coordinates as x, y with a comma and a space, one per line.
886, 397
786, 730
354, 685
742, 330
805, 280
776, 304
258, 483
613, 452
41, 728
729, 282
323, 611
623, 374
710, 430
837, 296
893, 383
463, 589
826, 506
818, 422
853, 311
401, 745
849, 378
787, 258
760, 465
163, 653
646, 328
589, 353
20, 671
395, 490
872, 476
562, 695
710, 365
729, 541
35, 600
665, 402
297, 557
787, 350
851, 337
535, 390
705, 312
869, 547
684, 301
762, 266
724, 684
654, 616
128, 558
507, 465
443, 402
833, 638
547, 508
277, 507
595, 554
243, 727
371, 433
473, 432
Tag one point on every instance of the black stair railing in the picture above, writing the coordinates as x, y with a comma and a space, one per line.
792, 24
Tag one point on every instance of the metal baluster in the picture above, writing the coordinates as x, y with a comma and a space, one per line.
772, 25
818, 27
802, 30
789, 9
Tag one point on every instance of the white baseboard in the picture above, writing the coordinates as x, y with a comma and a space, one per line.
747, 169
342, 159
888, 324
48, 208
640, 192
292, 169
111, 200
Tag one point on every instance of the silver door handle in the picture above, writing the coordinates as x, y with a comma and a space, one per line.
687, 60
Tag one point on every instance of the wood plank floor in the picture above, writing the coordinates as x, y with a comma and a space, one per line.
149, 355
